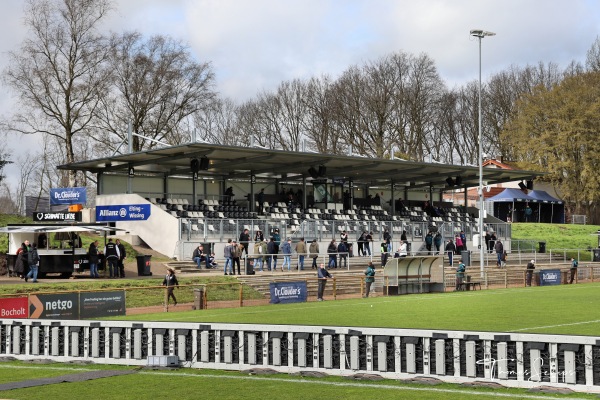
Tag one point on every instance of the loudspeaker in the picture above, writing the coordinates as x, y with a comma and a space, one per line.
204, 163
322, 170
458, 181
530, 185
313, 173
195, 165
522, 186
450, 181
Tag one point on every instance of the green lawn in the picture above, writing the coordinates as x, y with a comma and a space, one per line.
565, 309
557, 236
207, 384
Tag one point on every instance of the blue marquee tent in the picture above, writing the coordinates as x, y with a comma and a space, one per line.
510, 205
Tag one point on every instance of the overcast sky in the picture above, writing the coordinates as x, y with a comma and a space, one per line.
254, 45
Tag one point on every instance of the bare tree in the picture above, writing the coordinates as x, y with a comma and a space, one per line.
218, 122
156, 86
59, 72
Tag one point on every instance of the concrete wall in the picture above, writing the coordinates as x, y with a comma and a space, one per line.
160, 231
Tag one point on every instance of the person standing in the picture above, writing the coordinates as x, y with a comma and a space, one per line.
314, 253
429, 242
387, 238
460, 275
361, 243
260, 198
499, 247
332, 251
245, 240
287, 254
403, 236
258, 255
25, 249
368, 241
384, 254
459, 244
93, 259
258, 236
301, 251
463, 238
111, 252
403, 250
530, 268
33, 259
228, 257
271, 259
170, 282
122, 256
342, 250
237, 250
344, 237
323, 275
277, 242
493, 239
369, 278
437, 242
574, 265
450, 249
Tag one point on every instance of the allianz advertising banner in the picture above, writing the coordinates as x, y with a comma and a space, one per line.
549, 277
288, 292
126, 212
68, 196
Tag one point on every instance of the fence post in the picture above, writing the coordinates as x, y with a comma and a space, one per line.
505, 278
241, 295
362, 293
166, 299
334, 289
485, 277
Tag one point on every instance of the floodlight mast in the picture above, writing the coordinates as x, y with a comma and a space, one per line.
480, 34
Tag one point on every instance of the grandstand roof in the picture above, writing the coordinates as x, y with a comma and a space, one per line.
231, 162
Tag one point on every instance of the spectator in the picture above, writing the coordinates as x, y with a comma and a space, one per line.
387, 238
403, 236
493, 239
314, 253
503, 259
227, 254
463, 238
229, 194
460, 275
344, 237
437, 242
450, 250
332, 251
459, 244
370, 278
429, 242
271, 257
574, 265
93, 259
258, 236
528, 212
277, 241
323, 275
301, 251
342, 250
403, 250
258, 256
198, 256
122, 255
33, 259
170, 282
530, 268
499, 247
237, 250
368, 241
111, 251
384, 254
245, 240
261, 201
287, 254
361, 243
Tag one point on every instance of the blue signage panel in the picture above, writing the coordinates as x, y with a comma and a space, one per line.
549, 277
125, 212
68, 196
288, 292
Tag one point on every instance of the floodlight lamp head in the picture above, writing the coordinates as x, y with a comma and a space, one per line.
480, 33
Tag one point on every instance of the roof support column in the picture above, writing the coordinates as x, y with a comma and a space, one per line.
393, 201
251, 199
100, 183
304, 205
165, 185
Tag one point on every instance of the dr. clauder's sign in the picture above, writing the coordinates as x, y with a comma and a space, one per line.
125, 212
549, 277
68, 196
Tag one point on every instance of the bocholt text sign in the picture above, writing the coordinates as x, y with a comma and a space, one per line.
16, 307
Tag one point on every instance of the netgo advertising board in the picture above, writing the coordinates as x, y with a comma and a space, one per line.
54, 306
16, 307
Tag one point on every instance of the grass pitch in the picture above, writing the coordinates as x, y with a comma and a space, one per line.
564, 309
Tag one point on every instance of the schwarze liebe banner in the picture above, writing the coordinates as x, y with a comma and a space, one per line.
288, 292
68, 196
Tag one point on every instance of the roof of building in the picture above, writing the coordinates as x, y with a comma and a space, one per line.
232, 163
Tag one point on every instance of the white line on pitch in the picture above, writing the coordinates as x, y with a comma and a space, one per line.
556, 326
479, 394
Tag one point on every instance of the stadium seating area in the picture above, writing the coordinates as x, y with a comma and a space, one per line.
225, 216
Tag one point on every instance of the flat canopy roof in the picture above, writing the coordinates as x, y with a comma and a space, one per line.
232, 162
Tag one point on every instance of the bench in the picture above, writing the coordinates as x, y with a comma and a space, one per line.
469, 286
